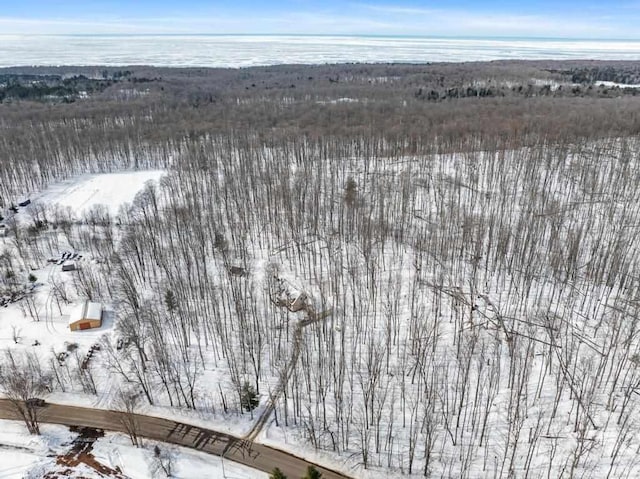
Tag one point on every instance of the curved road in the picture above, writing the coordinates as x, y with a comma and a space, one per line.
257, 456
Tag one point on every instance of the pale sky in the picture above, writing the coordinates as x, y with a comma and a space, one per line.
538, 18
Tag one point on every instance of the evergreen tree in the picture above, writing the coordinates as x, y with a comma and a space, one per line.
249, 397
170, 301
351, 192
277, 474
312, 473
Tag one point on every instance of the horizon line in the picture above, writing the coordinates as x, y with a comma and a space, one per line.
329, 35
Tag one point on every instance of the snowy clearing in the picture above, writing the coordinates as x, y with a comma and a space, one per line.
111, 190
616, 85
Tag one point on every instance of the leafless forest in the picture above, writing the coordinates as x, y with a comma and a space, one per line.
426, 269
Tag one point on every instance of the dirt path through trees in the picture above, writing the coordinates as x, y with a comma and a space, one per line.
286, 375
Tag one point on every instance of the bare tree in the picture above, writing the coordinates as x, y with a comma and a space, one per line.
16, 334
163, 459
23, 382
127, 403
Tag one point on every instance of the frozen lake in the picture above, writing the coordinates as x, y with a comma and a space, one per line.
248, 50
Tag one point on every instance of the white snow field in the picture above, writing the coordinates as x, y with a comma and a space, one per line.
110, 190
616, 85
249, 50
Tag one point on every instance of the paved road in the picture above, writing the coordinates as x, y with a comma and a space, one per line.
254, 455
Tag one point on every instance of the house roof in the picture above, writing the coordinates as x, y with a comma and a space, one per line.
86, 311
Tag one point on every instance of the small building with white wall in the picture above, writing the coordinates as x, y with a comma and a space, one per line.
86, 316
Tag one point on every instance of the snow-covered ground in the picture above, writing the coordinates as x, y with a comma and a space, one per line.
22, 453
43, 324
23, 456
614, 84
43, 328
115, 450
111, 190
437, 345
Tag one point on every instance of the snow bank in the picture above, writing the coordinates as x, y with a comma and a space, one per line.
115, 450
22, 455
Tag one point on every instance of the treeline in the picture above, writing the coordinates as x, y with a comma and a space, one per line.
500, 78
134, 125
529, 90
626, 75
50, 88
